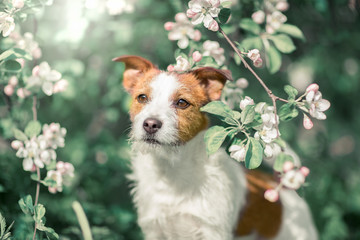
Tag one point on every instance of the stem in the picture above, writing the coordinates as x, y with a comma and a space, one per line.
34, 108
269, 92
37, 168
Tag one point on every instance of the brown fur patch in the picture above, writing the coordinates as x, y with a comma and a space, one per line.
191, 120
142, 86
259, 215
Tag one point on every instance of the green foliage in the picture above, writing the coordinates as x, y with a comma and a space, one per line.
254, 153
273, 62
5, 233
249, 25
33, 128
283, 43
280, 160
224, 15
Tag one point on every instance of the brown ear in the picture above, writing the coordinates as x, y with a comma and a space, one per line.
213, 80
135, 67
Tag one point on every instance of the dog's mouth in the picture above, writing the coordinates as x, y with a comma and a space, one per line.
152, 141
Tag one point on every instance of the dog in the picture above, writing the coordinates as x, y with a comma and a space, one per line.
179, 191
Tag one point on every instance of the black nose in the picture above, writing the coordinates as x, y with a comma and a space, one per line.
152, 125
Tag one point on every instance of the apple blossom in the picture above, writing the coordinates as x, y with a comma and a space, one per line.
242, 83
238, 152
276, 19
197, 56
317, 104
54, 134
282, 6
258, 17
288, 165
253, 54
9, 90
305, 171
268, 131
307, 123
57, 178
13, 81
182, 30
271, 150
312, 87
61, 86
293, 179
213, 49
170, 68
16, 144
182, 64
7, 24
246, 101
23, 93
116, 7
18, 3
271, 195
204, 11
258, 62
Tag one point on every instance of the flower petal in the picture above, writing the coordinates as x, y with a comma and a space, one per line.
197, 19
323, 105
183, 43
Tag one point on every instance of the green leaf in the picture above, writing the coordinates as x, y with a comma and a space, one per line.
11, 66
15, 53
39, 212
226, 4
26, 205
50, 233
230, 121
250, 43
280, 160
273, 60
248, 114
254, 154
291, 91
218, 108
288, 112
2, 225
283, 43
249, 25
19, 135
224, 15
214, 137
33, 128
236, 115
237, 59
291, 30
6, 54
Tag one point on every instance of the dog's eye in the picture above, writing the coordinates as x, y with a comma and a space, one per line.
142, 98
181, 103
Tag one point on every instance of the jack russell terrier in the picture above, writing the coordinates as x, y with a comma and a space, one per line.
182, 193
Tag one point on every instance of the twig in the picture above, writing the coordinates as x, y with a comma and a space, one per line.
37, 168
34, 108
273, 97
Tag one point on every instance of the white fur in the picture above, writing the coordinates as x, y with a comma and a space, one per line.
181, 193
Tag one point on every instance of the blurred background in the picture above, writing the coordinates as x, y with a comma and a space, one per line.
80, 37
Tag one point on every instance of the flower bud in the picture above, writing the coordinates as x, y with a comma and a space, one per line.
16, 144
170, 68
288, 166
254, 54
258, 17
9, 90
168, 26
246, 101
271, 195
305, 171
282, 6
269, 29
52, 189
197, 35
22, 93
35, 71
13, 81
258, 62
60, 86
214, 26
180, 17
36, 53
242, 83
18, 3
197, 56
312, 87
308, 124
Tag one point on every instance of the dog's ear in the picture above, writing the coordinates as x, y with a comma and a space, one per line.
135, 67
213, 80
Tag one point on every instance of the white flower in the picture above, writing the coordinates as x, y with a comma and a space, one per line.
9, 90
282, 6
44, 77
65, 168
268, 130
272, 150
253, 54
60, 86
271, 195
182, 30
238, 152
197, 56
246, 101
18, 3
116, 7
204, 11
54, 135
258, 17
275, 19
182, 64
57, 178
213, 49
293, 179
242, 83
317, 104
28, 43
7, 24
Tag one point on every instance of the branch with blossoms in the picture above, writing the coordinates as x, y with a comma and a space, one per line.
37, 144
252, 128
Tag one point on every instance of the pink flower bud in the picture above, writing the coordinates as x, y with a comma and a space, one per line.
258, 62
197, 56
258, 17
18, 3
190, 13
269, 29
308, 124
180, 17
242, 83
22, 93
271, 195
54, 127
282, 6
60, 86
214, 26
9, 90
35, 71
52, 189
288, 166
168, 26
13, 81
170, 68
305, 171
36, 53
197, 35
312, 87
21, 61
16, 144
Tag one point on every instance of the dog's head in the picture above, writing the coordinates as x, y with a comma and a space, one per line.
165, 107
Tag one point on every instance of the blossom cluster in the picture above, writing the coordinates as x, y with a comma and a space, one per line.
39, 151
59, 177
271, 14
254, 55
292, 178
204, 11
27, 43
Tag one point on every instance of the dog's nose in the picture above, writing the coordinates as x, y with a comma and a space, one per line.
152, 125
